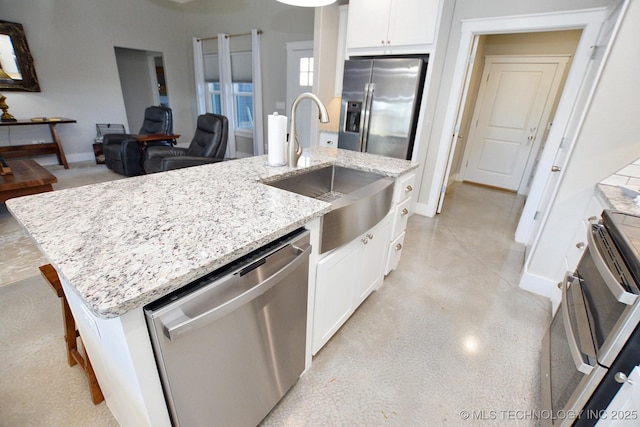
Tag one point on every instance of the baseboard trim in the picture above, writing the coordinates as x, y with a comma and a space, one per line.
541, 286
424, 210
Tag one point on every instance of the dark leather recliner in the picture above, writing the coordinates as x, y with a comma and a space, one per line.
207, 146
124, 154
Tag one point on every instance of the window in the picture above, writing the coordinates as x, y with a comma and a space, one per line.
243, 101
306, 71
242, 88
214, 97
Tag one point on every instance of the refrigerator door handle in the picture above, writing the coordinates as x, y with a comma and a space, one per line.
366, 117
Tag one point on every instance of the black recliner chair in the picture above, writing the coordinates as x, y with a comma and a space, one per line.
124, 154
207, 146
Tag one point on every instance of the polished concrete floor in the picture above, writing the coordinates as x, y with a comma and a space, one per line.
449, 339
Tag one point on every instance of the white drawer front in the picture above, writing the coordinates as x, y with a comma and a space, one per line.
405, 187
400, 218
393, 257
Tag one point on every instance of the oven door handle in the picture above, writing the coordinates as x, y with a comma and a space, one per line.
576, 354
612, 283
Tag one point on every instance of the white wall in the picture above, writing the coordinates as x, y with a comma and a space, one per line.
609, 140
72, 42
135, 80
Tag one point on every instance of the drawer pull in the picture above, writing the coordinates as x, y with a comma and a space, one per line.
365, 241
580, 245
399, 247
405, 211
370, 236
408, 189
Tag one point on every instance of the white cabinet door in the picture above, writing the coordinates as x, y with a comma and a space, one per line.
412, 22
391, 26
371, 266
335, 278
367, 23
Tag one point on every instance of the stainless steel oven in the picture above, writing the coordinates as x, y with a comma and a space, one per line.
594, 339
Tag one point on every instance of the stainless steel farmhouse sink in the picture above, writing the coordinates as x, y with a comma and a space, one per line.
359, 200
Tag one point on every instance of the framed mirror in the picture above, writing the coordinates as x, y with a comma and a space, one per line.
16, 63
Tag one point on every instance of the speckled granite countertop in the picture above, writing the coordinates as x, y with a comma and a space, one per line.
125, 243
616, 199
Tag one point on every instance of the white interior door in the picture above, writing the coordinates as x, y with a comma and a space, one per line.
300, 69
515, 93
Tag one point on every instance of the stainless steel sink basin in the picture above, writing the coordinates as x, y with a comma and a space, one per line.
359, 200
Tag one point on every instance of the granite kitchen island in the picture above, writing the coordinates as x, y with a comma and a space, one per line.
123, 244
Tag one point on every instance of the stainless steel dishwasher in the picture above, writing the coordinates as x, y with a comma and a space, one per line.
230, 345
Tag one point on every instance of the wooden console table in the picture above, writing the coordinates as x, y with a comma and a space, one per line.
41, 149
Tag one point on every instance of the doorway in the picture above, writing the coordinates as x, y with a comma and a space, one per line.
533, 43
142, 81
516, 98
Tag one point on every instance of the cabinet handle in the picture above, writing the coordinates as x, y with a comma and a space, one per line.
365, 241
408, 189
622, 378
405, 211
399, 246
580, 245
382, 42
370, 236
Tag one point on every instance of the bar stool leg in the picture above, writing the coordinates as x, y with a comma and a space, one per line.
71, 334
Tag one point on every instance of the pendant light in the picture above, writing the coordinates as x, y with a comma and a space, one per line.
307, 3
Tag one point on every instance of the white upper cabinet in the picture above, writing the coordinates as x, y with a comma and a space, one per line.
391, 26
368, 23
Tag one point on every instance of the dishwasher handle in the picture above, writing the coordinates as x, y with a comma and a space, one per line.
182, 324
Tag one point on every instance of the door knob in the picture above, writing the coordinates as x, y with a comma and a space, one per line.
555, 168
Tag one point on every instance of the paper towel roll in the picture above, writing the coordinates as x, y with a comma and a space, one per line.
276, 139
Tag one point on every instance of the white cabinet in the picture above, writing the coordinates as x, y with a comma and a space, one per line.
335, 276
402, 195
345, 277
391, 26
624, 409
371, 265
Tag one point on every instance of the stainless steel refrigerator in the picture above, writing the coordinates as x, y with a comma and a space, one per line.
380, 104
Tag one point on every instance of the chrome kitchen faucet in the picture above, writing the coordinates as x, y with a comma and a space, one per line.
294, 149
